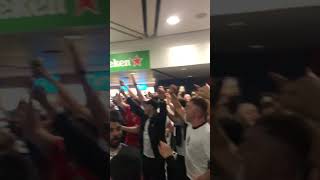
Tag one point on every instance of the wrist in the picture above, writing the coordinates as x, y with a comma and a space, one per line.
172, 156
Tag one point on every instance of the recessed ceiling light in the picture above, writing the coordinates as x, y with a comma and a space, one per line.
256, 46
183, 69
173, 20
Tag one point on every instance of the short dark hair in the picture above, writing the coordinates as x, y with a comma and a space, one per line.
201, 103
115, 116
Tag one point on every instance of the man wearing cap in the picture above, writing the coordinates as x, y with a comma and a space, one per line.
151, 131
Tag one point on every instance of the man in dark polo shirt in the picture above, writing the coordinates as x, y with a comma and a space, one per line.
125, 161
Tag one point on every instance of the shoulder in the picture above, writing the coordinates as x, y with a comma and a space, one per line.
130, 150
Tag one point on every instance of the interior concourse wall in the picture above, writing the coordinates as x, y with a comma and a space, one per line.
171, 51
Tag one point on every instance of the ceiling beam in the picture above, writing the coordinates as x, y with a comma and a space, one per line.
156, 23
144, 16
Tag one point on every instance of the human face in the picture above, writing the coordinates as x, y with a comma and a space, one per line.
115, 134
192, 111
249, 113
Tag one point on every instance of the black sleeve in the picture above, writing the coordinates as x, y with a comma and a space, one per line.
83, 149
135, 108
162, 120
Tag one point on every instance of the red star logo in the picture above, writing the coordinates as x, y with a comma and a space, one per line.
137, 61
86, 5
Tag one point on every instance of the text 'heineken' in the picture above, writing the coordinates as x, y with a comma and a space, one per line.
30, 8
120, 63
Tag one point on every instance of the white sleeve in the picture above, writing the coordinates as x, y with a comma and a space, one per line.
206, 143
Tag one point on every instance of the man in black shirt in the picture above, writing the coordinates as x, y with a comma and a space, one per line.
125, 162
151, 132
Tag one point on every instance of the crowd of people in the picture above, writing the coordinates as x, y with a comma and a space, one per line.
62, 140
276, 138
160, 136
155, 136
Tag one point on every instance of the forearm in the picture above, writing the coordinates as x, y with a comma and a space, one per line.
134, 130
71, 102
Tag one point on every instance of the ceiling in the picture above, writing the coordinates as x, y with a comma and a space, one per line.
224, 7
129, 23
267, 31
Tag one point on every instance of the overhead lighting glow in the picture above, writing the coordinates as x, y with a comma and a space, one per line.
173, 20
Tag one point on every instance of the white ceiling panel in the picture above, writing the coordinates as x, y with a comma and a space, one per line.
187, 11
116, 36
127, 13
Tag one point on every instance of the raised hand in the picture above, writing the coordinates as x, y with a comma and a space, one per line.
204, 91
38, 69
161, 92
173, 89
301, 96
39, 94
122, 83
78, 64
133, 79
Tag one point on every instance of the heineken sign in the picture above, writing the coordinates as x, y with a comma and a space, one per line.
35, 15
129, 61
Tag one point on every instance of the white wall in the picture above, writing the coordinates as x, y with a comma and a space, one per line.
174, 50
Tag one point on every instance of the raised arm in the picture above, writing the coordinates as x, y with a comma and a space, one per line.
134, 107
122, 84
177, 106
119, 102
98, 111
72, 103
33, 130
140, 96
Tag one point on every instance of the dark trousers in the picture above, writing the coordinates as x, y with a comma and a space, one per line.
153, 169
182, 165
177, 170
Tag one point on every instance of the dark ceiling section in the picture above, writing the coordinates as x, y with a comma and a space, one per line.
296, 28
291, 38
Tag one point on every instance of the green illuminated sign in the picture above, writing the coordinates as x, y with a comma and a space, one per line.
35, 15
129, 61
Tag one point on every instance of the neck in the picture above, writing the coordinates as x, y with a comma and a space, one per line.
115, 149
198, 122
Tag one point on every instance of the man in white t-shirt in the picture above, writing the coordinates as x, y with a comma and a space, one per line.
197, 147
197, 139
